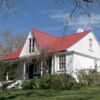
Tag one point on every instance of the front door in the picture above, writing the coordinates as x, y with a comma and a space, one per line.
30, 72
49, 66
33, 71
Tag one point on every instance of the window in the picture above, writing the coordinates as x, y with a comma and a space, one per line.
35, 69
90, 43
31, 45
62, 62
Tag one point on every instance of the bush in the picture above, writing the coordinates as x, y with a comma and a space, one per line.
62, 81
77, 86
45, 81
35, 83
58, 82
88, 77
10, 68
30, 84
27, 84
69, 81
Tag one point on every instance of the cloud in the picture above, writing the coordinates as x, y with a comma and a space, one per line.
61, 17
57, 14
78, 20
84, 20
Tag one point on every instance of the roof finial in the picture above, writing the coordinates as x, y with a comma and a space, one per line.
80, 30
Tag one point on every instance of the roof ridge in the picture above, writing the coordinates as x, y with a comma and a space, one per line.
45, 33
74, 34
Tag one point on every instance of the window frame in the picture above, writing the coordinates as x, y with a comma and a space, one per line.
90, 43
62, 62
31, 44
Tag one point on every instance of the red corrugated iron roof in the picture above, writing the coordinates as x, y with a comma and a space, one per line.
12, 56
44, 39
63, 43
57, 43
52, 42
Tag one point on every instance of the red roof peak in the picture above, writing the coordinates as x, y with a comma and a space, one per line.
36, 30
44, 39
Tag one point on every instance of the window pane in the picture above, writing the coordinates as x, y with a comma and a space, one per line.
90, 43
33, 45
62, 62
30, 45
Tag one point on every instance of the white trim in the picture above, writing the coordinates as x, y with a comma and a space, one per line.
24, 70
74, 52
7, 77
41, 69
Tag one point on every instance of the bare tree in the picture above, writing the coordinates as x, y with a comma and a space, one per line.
19, 40
42, 60
7, 42
10, 42
8, 5
87, 7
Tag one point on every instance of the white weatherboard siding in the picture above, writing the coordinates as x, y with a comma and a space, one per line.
25, 51
83, 57
69, 63
82, 46
81, 62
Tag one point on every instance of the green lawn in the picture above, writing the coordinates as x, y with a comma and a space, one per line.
82, 94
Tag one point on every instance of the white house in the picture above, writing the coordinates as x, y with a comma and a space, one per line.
69, 53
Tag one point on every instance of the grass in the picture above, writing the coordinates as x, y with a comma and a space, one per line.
82, 94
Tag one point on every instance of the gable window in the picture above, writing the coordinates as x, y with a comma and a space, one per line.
90, 43
31, 45
62, 62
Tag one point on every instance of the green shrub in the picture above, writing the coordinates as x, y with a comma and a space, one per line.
10, 68
27, 84
35, 83
57, 82
68, 80
30, 84
77, 86
45, 81
62, 81
88, 77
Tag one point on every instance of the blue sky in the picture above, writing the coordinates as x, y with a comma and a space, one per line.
47, 16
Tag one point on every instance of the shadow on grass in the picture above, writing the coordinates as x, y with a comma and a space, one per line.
7, 95
13, 96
